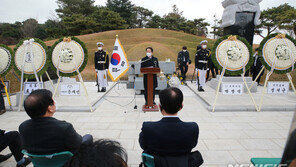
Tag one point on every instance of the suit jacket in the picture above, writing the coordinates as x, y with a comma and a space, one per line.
2, 132
183, 58
169, 136
201, 59
150, 62
48, 135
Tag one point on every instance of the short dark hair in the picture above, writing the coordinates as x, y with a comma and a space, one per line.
150, 49
101, 153
37, 102
256, 49
184, 47
171, 99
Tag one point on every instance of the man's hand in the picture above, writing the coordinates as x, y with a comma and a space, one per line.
96, 70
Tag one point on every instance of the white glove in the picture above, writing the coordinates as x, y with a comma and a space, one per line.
106, 70
96, 70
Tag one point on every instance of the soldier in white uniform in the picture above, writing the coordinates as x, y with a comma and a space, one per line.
101, 66
201, 61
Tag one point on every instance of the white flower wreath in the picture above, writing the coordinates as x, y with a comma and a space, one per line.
232, 53
279, 51
5, 60
38, 57
67, 56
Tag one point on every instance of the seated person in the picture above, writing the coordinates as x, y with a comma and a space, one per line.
43, 134
12, 139
170, 136
102, 153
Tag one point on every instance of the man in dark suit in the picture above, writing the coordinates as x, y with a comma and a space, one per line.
149, 61
43, 134
256, 68
183, 62
2, 104
12, 140
170, 136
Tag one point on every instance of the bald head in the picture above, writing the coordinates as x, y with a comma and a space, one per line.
36, 104
171, 100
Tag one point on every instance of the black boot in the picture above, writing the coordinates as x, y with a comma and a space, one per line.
201, 89
99, 89
103, 89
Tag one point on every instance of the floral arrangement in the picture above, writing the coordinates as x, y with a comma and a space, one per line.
6, 59
67, 55
278, 51
30, 55
234, 53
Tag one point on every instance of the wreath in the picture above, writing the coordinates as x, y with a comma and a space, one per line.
234, 50
280, 50
67, 54
39, 49
6, 55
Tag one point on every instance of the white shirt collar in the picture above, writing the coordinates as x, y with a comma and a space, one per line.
170, 116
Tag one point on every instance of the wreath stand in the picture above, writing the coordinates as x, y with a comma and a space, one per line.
220, 81
27, 43
269, 74
67, 40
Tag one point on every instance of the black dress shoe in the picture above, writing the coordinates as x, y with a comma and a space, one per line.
27, 162
5, 157
103, 89
2, 112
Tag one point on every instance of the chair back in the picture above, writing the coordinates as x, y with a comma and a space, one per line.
52, 160
148, 160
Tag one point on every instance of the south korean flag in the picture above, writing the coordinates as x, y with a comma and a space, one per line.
119, 64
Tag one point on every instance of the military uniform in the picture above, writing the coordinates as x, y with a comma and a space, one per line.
183, 59
101, 66
149, 62
201, 61
2, 104
256, 68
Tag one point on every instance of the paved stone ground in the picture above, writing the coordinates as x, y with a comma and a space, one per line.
225, 137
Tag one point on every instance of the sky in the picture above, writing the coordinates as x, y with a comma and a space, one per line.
41, 10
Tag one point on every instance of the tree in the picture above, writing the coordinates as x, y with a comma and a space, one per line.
123, 7
141, 16
281, 17
106, 19
78, 24
55, 28
67, 8
217, 30
155, 22
29, 28
173, 20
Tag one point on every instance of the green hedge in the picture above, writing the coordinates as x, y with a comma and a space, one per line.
215, 61
83, 64
41, 72
11, 61
261, 55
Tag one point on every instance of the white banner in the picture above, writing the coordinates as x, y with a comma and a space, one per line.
278, 87
70, 90
119, 64
31, 86
232, 89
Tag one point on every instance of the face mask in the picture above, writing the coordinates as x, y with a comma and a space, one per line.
204, 46
100, 48
56, 105
184, 50
149, 54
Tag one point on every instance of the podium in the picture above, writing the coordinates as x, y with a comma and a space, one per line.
150, 71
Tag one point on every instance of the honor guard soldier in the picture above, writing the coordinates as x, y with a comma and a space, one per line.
101, 66
183, 62
201, 60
